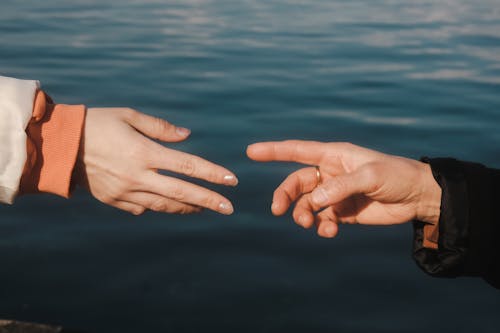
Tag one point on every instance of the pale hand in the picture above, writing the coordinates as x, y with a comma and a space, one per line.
118, 163
357, 185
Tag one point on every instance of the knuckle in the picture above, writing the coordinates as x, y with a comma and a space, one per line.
210, 202
125, 182
106, 199
160, 205
117, 190
130, 114
178, 194
129, 182
161, 125
346, 146
298, 185
213, 175
369, 172
113, 195
138, 150
188, 167
294, 179
183, 210
278, 192
370, 175
289, 142
289, 195
336, 187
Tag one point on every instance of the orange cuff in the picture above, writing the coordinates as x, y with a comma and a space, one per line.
431, 236
54, 134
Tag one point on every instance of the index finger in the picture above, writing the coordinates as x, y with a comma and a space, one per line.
306, 152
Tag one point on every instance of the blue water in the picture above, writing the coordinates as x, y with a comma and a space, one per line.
405, 77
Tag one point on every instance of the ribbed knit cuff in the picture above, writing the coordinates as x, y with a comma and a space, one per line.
54, 135
61, 140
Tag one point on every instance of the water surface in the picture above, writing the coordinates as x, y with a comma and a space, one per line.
405, 77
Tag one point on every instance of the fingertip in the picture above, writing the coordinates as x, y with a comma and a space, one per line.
254, 151
303, 217
331, 230
278, 208
226, 208
275, 208
250, 149
230, 180
305, 220
328, 230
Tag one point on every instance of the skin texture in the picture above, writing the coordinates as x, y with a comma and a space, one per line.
357, 185
118, 163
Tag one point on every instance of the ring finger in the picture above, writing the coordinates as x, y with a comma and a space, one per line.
160, 204
188, 193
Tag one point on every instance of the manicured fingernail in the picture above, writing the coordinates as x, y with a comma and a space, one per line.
226, 208
319, 196
182, 131
230, 180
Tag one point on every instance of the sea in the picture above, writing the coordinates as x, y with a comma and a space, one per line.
411, 78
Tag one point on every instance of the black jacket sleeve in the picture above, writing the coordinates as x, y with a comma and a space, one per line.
469, 223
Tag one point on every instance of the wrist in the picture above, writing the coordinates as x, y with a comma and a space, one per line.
429, 205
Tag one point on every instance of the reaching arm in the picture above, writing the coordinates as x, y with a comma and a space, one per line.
452, 203
111, 152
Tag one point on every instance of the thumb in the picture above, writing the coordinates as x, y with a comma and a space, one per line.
157, 128
341, 187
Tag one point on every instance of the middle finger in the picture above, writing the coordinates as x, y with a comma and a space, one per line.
191, 165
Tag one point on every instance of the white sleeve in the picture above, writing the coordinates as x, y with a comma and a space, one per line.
16, 107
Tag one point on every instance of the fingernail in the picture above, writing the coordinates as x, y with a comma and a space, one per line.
319, 196
274, 206
182, 131
226, 208
330, 230
302, 220
231, 180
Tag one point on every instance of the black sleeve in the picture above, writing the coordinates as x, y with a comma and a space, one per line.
469, 224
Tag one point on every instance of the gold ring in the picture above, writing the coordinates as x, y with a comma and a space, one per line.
318, 175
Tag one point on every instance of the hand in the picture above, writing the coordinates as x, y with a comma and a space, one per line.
119, 165
357, 185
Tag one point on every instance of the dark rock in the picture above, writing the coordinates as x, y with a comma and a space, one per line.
12, 326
